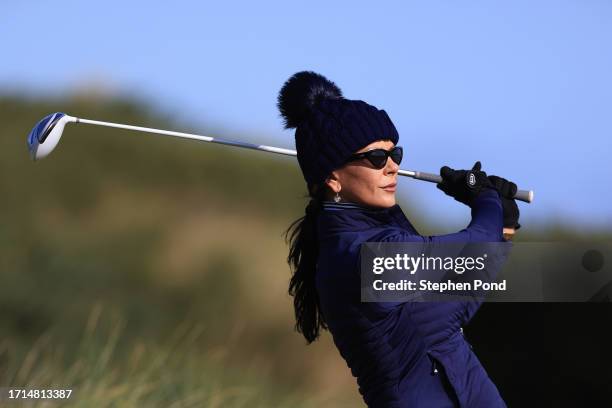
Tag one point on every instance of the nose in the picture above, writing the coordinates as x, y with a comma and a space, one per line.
391, 167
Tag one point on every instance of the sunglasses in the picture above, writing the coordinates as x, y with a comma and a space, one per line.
378, 157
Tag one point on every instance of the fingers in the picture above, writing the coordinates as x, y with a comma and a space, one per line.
512, 189
506, 188
446, 172
498, 183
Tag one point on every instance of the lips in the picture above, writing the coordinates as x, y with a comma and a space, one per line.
389, 187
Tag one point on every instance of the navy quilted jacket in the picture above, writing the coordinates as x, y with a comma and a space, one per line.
410, 354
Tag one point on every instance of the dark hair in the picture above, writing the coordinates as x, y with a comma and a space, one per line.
302, 233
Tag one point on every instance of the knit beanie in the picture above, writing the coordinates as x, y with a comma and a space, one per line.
328, 127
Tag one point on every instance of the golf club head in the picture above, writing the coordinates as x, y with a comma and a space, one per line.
46, 134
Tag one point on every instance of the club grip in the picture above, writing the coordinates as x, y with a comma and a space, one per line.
421, 175
521, 195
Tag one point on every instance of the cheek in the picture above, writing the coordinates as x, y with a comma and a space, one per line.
373, 181
365, 181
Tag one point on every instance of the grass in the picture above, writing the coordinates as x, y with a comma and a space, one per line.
105, 370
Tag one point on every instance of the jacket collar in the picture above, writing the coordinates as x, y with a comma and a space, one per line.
346, 216
342, 205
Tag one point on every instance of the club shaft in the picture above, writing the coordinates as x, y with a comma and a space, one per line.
522, 195
192, 136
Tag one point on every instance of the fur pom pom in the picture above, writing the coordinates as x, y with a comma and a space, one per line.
301, 92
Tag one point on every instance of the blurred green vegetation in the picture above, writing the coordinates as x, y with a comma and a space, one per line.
157, 238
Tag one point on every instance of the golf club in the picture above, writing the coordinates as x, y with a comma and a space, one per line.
46, 134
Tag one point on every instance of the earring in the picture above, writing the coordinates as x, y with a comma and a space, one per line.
337, 197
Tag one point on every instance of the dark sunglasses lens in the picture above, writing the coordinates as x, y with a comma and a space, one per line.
378, 158
397, 154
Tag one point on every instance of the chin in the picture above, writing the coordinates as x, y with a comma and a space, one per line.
391, 202
385, 202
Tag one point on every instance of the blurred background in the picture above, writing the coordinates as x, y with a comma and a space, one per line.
142, 270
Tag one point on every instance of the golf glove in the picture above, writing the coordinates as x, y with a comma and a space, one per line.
507, 190
463, 185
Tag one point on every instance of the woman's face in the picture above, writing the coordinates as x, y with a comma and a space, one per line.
360, 182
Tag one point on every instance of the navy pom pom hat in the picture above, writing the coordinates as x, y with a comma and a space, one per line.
328, 127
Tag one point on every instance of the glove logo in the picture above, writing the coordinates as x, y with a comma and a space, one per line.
472, 179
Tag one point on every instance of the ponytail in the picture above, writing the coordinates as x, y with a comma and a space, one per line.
303, 253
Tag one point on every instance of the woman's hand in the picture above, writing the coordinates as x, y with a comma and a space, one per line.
463, 185
507, 190
508, 233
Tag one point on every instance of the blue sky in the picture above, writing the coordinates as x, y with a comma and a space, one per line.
523, 86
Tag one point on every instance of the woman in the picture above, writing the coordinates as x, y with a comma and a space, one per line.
411, 354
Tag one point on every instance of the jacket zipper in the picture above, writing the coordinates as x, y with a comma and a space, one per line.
466, 340
434, 363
